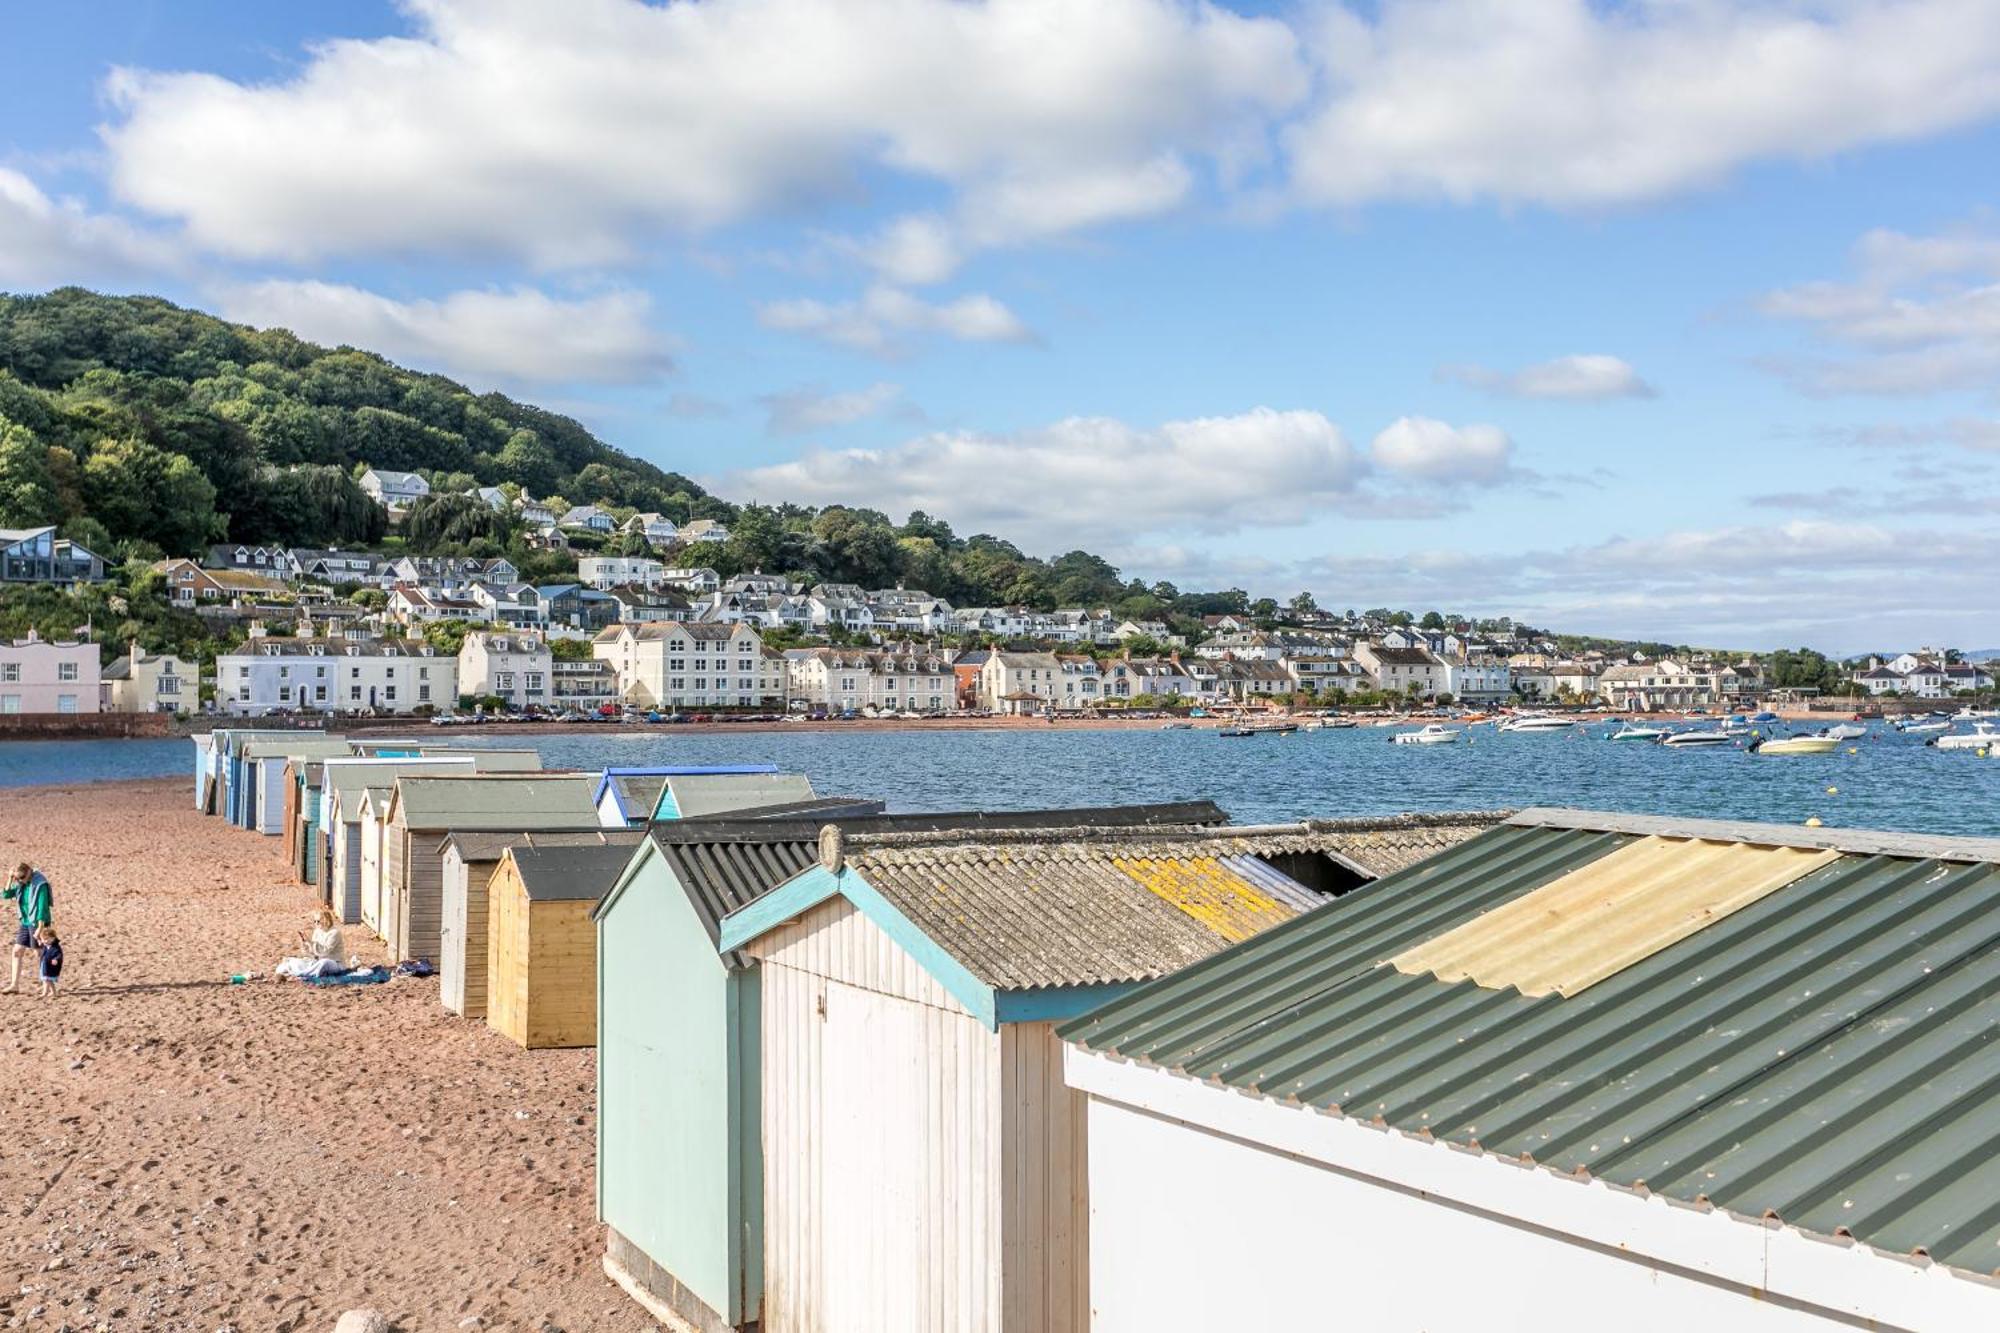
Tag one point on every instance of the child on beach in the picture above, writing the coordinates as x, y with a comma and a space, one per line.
50, 949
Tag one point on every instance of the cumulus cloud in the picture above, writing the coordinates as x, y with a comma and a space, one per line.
1920, 315
1571, 103
1837, 584
884, 319
1579, 377
519, 336
799, 410
1438, 451
47, 242
560, 131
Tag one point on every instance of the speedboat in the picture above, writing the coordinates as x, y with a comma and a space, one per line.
1429, 735
1765, 716
1795, 745
1926, 727
1532, 722
1846, 731
1698, 740
1981, 737
1736, 726
1632, 733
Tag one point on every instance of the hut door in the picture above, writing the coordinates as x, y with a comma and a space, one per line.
871, 1221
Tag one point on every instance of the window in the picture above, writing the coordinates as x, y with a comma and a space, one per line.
677, 684
701, 664
65, 703
66, 671
354, 693
10, 703
701, 682
10, 672
423, 694
243, 694
284, 694
169, 685
389, 692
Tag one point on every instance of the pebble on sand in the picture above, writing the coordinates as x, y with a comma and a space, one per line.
362, 1321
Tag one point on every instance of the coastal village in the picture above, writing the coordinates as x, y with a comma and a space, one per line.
357, 632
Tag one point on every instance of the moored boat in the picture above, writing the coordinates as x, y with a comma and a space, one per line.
1981, 737
1537, 722
1432, 734
1698, 740
1632, 733
1846, 731
1795, 745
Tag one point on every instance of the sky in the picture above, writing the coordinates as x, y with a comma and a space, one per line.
1671, 319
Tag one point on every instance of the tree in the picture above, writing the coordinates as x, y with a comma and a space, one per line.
136, 490
27, 488
440, 521
1431, 620
1303, 604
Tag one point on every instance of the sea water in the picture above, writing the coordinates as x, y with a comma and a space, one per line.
1883, 780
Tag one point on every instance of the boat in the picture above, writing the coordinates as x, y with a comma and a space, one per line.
1924, 728
1537, 722
1981, 737
1433, 734
1846, 731
1736, 726
1632, 733
1341, 724
1233, 733
1766, 716
1698, 740
1795, 745
1177, 726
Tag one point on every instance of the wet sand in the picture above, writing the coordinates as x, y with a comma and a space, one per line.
181, 1153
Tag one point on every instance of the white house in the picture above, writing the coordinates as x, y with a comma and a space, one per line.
491, 496
42, 676
394, 490
511, 666
587, 518
334, 675
676, 664
1020, 682
1722, 1096
697, 581
1401, 670
704, 530
142, 682
612, 571
534, 513
848, 680
657, 529
1478, 679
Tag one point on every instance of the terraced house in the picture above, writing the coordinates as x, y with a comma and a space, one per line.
673, 664
892, 680
333, 675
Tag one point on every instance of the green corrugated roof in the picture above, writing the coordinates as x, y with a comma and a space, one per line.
1829, 1054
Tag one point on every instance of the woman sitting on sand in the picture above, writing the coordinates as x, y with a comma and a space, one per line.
322, 947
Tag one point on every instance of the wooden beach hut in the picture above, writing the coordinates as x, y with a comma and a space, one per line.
423, 811
470, 858
925, 1165
706, 795
541, 962
627, 797
344, 785
264, 765
679, 1166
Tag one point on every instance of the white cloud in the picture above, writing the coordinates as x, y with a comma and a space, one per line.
520, 336
1568, 377
809, 409
914, 250
883, 319
47, 242
1920, 315
562, 131
1041, 487
1438, 451
1571, 103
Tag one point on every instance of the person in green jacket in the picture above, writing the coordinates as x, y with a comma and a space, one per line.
31, 893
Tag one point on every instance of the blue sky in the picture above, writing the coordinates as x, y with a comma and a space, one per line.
1663, 319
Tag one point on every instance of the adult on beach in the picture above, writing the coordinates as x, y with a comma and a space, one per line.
31, 893
321, 950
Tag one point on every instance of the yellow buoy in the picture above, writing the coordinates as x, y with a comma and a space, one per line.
1813, 822
1833, 791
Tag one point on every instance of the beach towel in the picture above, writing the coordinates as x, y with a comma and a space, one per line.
310, 967
415, 967
366, 977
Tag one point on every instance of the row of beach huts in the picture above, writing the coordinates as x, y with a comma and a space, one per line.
1138, 1068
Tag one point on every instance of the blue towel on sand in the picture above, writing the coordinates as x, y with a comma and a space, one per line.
365, 977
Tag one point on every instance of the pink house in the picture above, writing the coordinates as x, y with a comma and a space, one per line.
37, 676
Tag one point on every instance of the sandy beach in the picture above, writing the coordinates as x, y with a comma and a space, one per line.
182, 1153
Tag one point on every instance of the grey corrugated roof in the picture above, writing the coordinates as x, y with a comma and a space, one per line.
497, 800
1826, 1055
724, 863
638, 793
486, 844
699, 795
824, 809
552, 874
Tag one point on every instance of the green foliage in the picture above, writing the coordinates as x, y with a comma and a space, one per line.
570, 650
445, 521
447, 636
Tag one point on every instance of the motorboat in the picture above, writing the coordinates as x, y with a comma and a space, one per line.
1698, 740
1795, 745
1433, 734
1534, 722
1846, 731
1736, 726
1765, 716
1927, 727
1632, 733
1983, 736
1177, 726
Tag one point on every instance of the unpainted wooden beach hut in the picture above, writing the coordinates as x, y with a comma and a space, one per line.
424, 811
925, 1165
344, 785
679, 1174
470, 858
541, 963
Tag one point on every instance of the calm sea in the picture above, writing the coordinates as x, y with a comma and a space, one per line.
1882, 781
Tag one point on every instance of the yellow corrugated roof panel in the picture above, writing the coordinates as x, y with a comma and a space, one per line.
1210, 892
1592, 923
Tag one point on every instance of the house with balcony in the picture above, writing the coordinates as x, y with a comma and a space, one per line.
1410, 670
657, 529
588, 518
509, 665
37, 555
612, 571
394, 491
896, 679
675, 665
704, 530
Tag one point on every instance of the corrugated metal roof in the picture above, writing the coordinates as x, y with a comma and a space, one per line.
552, 874
1828, 1054
1026, 915
726, 863
309, 748
1577, 930
496, 800
697, 796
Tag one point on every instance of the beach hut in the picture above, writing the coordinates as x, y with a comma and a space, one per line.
423, 811
702, 795
264, 765
215, 763
344, 786
627, 797
925, 1166
1587, 1070
470, 859
541, 948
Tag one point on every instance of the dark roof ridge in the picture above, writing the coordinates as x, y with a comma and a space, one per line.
964, 823
1858, 842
